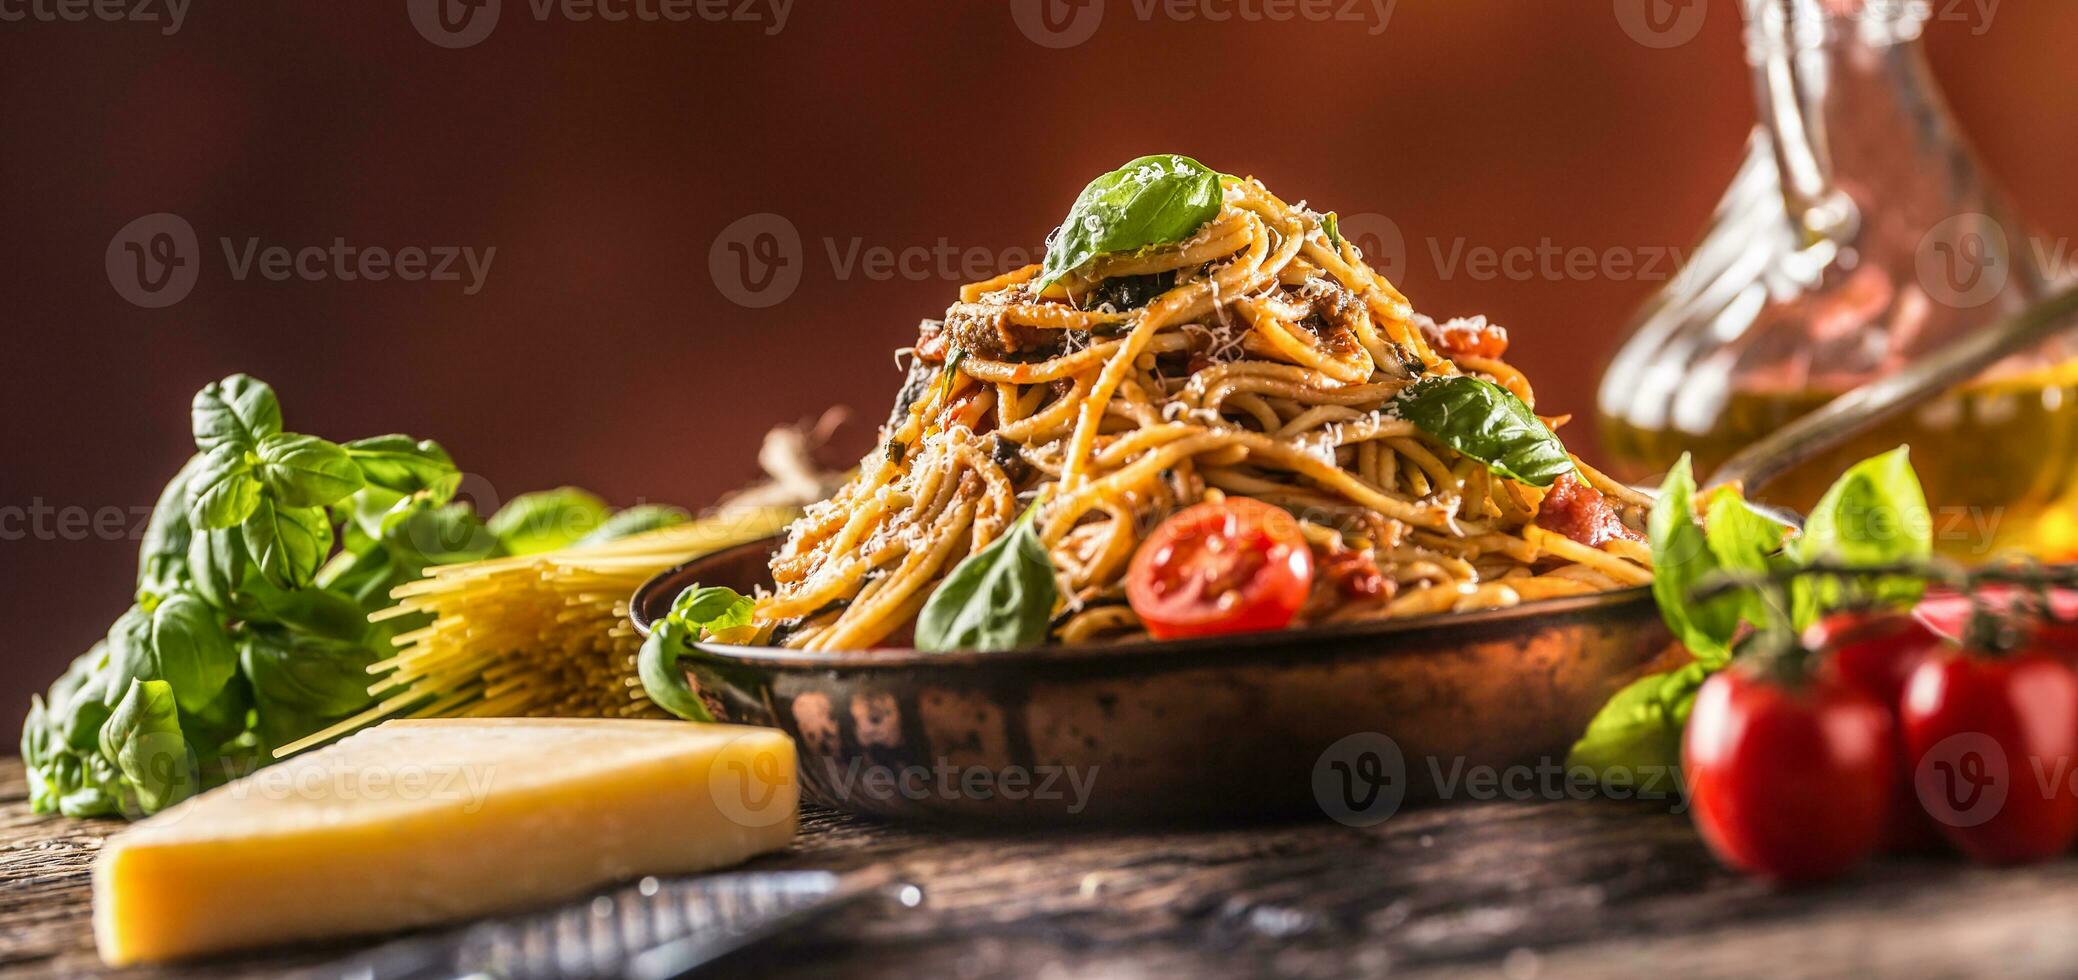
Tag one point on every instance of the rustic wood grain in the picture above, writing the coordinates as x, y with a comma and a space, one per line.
1571, 888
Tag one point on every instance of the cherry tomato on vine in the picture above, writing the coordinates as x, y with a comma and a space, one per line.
1994, 740
1875, 652
1789, 781
1231, 566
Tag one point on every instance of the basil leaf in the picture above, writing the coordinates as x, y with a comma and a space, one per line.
395, 462
1744, 541
1154, 200
216, 567
77, 723
223, 491
547, 520
420, 534
305, 471
712, 608
1682, 559
38, 737
662, 679
698, 609
162, 557
190, 649
1635, 740
999, 598
300, 682
286, 544
91, 785
1331, 225
638, 519
1488, 423
1875, 514
237, 411
142, 738
130, 653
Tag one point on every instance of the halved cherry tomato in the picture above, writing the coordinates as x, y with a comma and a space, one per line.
1789, 783
1874, 652
1993, 741
1231, 566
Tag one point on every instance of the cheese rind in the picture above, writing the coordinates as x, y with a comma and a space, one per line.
417, 822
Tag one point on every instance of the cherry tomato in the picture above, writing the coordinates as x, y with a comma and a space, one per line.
1993, 740
1874, 653
1789, 783
1948, 613
1232, 566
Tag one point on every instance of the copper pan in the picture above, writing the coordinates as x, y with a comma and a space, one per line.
1234, 727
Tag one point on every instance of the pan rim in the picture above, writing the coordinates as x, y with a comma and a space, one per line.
1333, 634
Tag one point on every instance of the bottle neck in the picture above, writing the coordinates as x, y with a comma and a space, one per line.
1836, 80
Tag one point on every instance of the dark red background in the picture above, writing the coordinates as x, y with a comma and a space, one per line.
602, 160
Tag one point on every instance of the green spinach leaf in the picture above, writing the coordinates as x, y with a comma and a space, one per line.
1488, 423
999, 598
305, 471
1154, 200
237, 411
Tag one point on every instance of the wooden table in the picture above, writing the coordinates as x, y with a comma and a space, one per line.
1584, 888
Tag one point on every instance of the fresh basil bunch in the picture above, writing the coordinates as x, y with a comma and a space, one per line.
257, 572
1874, 515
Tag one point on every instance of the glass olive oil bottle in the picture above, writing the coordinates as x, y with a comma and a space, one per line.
1859, 235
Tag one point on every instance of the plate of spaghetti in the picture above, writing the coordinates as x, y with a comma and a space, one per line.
1203, 481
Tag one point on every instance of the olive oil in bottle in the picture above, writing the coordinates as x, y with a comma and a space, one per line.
1859, 236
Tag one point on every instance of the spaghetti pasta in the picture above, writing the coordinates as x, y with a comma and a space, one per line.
1259, 356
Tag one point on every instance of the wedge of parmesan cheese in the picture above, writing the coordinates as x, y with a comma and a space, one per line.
419, 822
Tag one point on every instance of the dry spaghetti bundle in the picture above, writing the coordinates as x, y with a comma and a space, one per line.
1251, 352
536, 635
